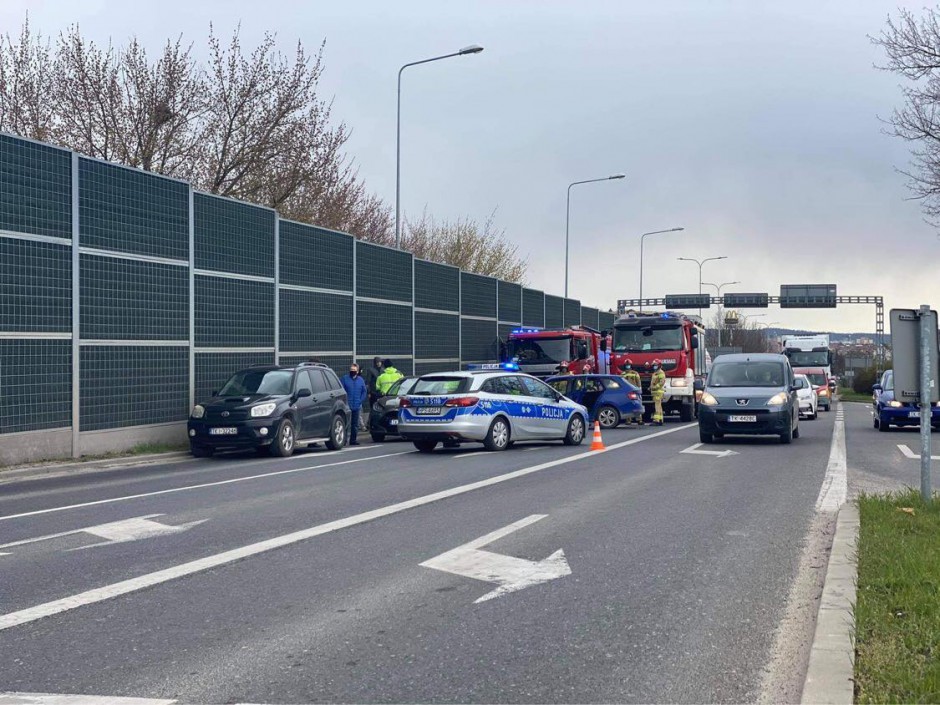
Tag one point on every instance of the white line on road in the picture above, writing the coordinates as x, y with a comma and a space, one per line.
908, 453
470, 455
834, 490
47, 609
51, 699
198, 487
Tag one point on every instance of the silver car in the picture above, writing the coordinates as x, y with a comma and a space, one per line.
495, 408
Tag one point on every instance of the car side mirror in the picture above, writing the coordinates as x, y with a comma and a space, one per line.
877, 388
301, 393
796, 386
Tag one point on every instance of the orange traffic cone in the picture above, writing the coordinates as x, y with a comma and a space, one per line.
598, 442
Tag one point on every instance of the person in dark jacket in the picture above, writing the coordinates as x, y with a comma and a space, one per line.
370, 376
356, 394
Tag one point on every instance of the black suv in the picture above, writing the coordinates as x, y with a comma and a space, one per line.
274, 409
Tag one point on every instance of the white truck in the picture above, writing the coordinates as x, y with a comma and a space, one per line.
809, 351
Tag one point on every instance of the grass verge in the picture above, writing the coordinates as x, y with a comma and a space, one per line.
897, 614
851, 395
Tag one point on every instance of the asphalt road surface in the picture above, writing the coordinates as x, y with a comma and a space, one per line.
378, 574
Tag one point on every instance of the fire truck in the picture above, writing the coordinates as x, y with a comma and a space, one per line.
539, 352
677, 340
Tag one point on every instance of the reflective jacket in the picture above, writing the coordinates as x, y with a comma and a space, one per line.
385, 380
658, 383
633, 377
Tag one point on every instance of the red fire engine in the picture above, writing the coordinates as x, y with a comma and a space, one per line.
539, 352
675, 339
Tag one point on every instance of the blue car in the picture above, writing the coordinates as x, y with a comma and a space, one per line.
889, 412
608, 398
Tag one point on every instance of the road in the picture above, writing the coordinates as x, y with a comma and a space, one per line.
347, 577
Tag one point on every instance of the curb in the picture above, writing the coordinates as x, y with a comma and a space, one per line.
21, 472
830, 676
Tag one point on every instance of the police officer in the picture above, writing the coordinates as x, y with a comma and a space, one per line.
633, 377
657, 389
388, 377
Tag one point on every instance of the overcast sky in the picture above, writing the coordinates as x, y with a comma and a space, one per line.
753, 125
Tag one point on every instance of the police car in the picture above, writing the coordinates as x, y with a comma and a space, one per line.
495, 405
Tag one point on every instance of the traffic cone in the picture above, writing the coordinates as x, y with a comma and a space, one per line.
598, 442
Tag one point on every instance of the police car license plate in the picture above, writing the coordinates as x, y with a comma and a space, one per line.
913, 414
428, 410
225, 431
745, 418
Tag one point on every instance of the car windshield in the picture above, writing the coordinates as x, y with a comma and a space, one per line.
401, 387
819, 358
817, 378
746, 374
648, 339
541, 350
249, 382
440, 384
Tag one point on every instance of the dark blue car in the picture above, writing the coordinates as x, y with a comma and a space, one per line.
608, 398
889, 412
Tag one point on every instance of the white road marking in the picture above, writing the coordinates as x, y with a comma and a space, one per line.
905, 451
469, 455
834, 490
529, 450
47, 609
694, 450
50, 699
197, 487
509, 572
133, 529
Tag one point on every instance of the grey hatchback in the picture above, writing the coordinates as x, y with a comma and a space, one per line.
752, 394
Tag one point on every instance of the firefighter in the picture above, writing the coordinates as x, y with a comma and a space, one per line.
633, 377
657, 388
563, 368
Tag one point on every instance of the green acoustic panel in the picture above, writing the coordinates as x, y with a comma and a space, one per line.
426, 368
382, 273
234, 313
35, 384
479, 341
402, 364
154, 300
313, 321
606, 320
382, 329
533, 308
338, 363
478, 295
437, 335
214, 369
554, 311
231, 236
133, 385
510, 302
35, 188
589, 317
35, 286
572, 312
132, 211
312, 256
437, 286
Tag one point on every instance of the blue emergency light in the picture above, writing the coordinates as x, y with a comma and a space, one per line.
527, 330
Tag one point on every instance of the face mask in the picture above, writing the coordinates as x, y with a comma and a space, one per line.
353, 373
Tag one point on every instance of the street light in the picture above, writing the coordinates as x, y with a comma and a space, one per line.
718, 288
642, 240
700, 263
472, 49
612, 177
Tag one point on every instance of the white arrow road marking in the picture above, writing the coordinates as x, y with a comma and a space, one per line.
509, 572
115, 532
905, 451
694, 450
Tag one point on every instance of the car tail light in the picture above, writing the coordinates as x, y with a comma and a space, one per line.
633, 395
462, 401
405, 401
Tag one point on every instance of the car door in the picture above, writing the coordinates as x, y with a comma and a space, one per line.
593, 389
322, 405
303, 405
551, 421
523, 409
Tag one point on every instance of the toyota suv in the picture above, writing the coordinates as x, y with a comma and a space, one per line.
272, 409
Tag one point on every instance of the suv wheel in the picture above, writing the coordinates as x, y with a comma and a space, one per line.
498, 436
576, 431
337, 439
285, 441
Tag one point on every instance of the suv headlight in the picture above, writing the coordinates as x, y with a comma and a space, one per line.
708, 400
778, 399
198, 411
895, 404
263, 410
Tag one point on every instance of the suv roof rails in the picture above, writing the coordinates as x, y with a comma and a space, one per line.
312, 364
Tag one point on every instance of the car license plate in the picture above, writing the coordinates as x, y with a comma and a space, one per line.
225, 431
913, 414
745, 418
428, 410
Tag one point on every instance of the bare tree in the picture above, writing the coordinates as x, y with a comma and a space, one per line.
912, 46
27, 103
466, 243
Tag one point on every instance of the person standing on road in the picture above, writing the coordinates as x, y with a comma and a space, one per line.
370, 376
356, 394
563, 368
657, 389
631, 376
388, 377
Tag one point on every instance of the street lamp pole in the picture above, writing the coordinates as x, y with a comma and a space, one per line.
612, 177
700, 263
719, 287
642, 240
472, 49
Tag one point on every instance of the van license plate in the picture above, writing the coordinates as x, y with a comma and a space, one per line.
428, 410
226, 431
742, 419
